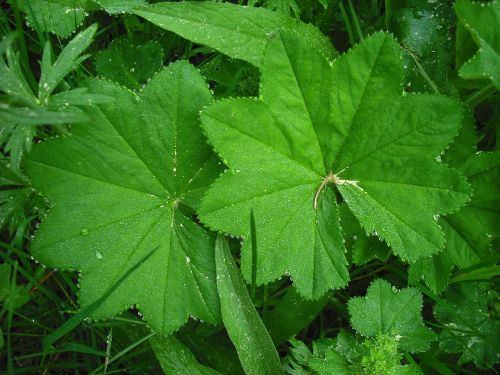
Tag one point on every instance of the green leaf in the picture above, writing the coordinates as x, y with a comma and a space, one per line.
480, 274
76, 97
4, 281
90, 309
435, 271
333, 363
216, 350
12, 80
175, 358
28, 118
292, 314
247, 332
317, 125
395, 313
128, 64
468, 232
60, 17
120, 187
68, 59
424, 34
12, 296
471, 328
346, 356
481, 20
120, 6
239, 32
367, 248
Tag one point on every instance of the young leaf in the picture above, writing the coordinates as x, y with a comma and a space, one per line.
247, 332
128, 64
122, 186
239, 32
471, 329
396, 313
482, 20
380, 357
347, 356
317, 125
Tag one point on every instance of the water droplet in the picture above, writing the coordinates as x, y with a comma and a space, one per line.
84, 232
98, 255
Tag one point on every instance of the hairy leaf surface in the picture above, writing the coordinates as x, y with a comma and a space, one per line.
126, 184
396, 313
316, 125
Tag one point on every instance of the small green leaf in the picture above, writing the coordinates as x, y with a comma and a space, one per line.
396, 313
247, 332
472, 329
482, 20
239, 32
129, 64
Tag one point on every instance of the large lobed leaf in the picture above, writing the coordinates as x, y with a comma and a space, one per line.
346, 125
127, 184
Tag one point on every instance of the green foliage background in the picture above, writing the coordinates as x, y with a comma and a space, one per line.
259, 187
